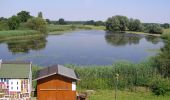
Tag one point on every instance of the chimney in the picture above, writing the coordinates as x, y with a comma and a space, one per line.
0, 63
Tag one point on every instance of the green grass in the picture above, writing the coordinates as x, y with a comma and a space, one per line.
166, 31
126, 95
60, 29
16, 33
166, 34
92, 27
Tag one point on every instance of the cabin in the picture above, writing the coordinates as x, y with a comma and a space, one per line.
15, 80
56, 83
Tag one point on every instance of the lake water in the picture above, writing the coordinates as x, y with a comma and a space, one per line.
82, 48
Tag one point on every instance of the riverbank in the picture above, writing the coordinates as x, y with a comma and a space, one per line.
10, 34
133, 32
60, 29
165, 32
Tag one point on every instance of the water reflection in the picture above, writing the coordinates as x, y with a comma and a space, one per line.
152, 39
24, 45
122, 39
80, 47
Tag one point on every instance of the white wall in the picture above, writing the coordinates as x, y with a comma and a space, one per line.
15, 85
73, 86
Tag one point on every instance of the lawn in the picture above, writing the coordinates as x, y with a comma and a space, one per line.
125, 95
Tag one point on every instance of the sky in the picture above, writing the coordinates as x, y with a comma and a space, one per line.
151, 11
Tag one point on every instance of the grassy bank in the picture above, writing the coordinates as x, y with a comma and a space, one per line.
126, 95
60, 29
165, 32
133, 32
16, 33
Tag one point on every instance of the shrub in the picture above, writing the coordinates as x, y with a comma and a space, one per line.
166, 25
38, 24
13, 22
117, 23
160, 86
154, 28
135, 25
3, 25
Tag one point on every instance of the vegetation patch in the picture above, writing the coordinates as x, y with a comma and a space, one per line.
126, 95
13, 33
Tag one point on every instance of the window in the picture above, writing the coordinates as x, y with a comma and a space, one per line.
17, 87
11, 83
17, 83
11, 88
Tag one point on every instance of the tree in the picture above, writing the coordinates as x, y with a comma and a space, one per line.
48, 21
117, 23
61, 21
13, 22
166, 25
135, 25
40, 15
38, 24
3, 25
3, 19
90, 22
154, 28
99, 23
23, 16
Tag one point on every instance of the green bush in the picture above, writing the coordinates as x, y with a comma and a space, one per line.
13, 22
4, 25
166, 25
154, 29
117, 23
160, 86
38, 24
135, 25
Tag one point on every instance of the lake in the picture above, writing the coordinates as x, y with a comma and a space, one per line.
81, 48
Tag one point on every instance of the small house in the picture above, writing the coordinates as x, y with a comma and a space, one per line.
56, 83
15, 80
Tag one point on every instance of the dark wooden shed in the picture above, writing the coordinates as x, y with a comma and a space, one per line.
56, 83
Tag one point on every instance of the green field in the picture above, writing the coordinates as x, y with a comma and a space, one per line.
125, 95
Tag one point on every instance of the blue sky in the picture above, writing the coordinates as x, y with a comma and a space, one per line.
146, 10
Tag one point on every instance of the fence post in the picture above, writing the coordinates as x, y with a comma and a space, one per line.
116, 83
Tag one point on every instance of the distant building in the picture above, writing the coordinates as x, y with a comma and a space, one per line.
56, 83
15, 80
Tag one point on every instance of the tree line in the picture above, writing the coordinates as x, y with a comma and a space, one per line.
25, 20
123, 23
